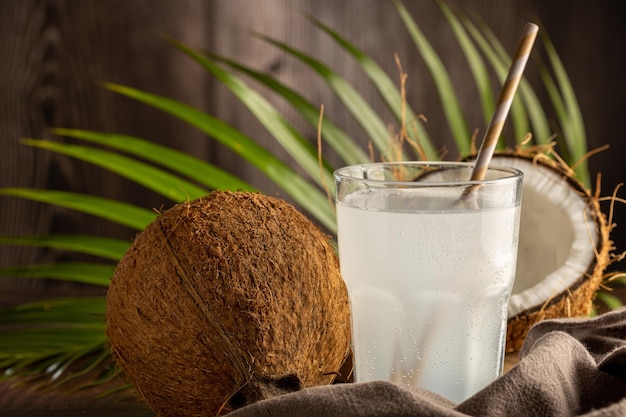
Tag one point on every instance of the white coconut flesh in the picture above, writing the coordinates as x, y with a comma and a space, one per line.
558, 236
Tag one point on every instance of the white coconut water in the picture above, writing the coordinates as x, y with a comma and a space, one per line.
429, 285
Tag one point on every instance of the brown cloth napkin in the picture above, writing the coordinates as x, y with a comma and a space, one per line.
567, 367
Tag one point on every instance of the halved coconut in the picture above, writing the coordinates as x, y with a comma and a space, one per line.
564, 245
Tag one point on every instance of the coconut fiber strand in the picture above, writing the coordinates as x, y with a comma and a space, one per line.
567, 367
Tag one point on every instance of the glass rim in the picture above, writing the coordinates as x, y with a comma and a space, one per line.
342, 174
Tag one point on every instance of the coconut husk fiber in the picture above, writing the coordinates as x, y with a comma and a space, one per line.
567, 367
224, 301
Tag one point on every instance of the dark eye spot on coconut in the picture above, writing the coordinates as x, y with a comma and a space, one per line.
255, 391
238, 400
290, 383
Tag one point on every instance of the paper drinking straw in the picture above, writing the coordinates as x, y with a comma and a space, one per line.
513, 78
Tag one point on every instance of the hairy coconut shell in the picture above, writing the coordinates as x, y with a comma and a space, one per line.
226, 300
544, 175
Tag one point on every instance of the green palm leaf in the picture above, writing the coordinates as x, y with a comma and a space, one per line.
569, 113
44, 338
100, 356
115, 211
176, 161
86, 273
611, 301
39, 358
164, 183
476, 64
292, 141
49, 342
112, 249
349, 151
371, 123
387, 89
439, 74
295, 185
81, 311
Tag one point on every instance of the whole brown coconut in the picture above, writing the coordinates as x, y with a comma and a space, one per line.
226, 300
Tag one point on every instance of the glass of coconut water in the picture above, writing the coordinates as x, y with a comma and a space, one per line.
428, 257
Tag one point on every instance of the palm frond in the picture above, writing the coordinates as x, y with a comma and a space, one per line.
564, 101
107, 248
369, 120
296, 186
176, 161
115, 211
292, 141
170, 186
476, 64
388, 90
347, 149
43, 339
78, 311
439, 74
84, 272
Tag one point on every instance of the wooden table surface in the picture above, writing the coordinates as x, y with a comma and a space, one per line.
24, 402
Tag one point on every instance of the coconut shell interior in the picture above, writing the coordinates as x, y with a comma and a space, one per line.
563, 250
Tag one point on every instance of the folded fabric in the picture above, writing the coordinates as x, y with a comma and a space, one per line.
567, 367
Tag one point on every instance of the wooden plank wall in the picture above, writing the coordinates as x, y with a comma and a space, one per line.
53, 54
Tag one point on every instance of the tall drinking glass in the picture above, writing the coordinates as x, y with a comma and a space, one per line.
428, 257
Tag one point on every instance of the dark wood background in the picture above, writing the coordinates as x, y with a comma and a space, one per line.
53, 54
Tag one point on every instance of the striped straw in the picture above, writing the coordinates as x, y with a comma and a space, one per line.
504, 101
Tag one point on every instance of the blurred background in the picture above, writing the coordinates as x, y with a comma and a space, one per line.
55, 54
